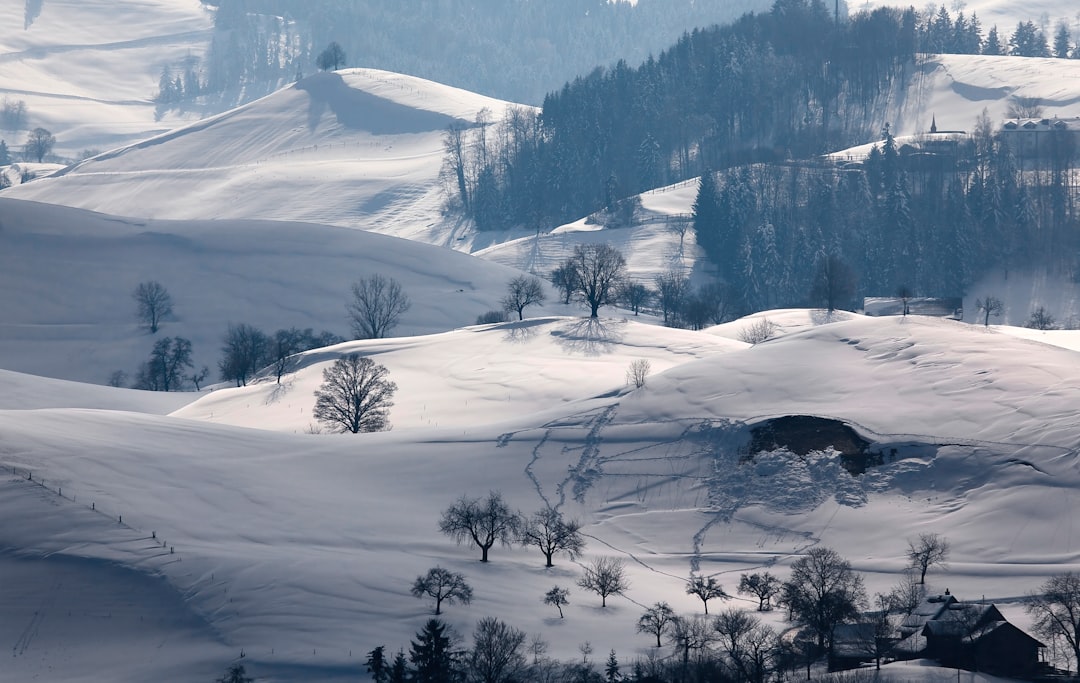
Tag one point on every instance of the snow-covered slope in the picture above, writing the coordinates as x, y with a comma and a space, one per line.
69, 276
359, 148
87, 70
300, 549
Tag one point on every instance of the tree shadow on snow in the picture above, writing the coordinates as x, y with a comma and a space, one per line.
589, 336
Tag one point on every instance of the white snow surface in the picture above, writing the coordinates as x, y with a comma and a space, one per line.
300, 549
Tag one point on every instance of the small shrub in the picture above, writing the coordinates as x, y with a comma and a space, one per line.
757, 332
491, 317
1041, 320
638, 372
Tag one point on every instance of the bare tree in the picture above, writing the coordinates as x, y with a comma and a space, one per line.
656, 620
672, 288
634, 295
497, 655
547, 530
564, 278
377, 306
164, 370
481, 523
906, 594
153, 304
706, 589
1055, 610
690, 634
605, 576
928, 551
1024, 108
1041, 319
442, 585
197, 378
39, 143
118, 378
355, 396
763, 586
749, 647
834, 282
638, 372
990, 306
332, 58
245, 350
523, 291
823, 591
599, 271
558, 597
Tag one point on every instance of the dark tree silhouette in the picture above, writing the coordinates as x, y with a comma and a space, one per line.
706, 589
990, 306
928, 551
558, 597
823, 591
599, 271
164, 371
496, 655
605, 576
763, 586
377, 306
355, 395
433, 654
523, 291
153, 304
245, 350
551, 533
656, 620
482, 523
332, 58
1055, 609
442, 585
39, 143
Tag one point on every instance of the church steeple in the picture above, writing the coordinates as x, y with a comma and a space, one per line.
933, 124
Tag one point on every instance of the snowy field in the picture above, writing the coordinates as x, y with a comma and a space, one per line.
300, 549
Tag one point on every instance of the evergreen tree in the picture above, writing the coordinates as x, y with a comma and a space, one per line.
611, 669
1028, 41
432, 654
993, 45
399, 670
377, 665
5, 155
1061, 41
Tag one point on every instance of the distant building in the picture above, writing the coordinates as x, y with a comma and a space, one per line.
938, 307
1043, 139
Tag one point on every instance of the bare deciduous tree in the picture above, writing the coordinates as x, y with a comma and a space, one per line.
153, 304
482, 523
523, 291
245, 351
496, 655
903, 292
763, 586
706, 589
672, 289
164, 371
377, 306
990, 306
558, 597
823, 591
599, 271
564, 278
442, 585
834, 282
750, 648
634, 295
928, 551
1055, 610
638, 372
1041, 319
547, 530
656, 620
39, 143
355, 395
332, 58
605, 576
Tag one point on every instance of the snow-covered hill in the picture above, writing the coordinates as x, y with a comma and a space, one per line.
300, 549
69, 274
88, 70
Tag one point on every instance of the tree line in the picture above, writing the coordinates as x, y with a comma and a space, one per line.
930, 225
793, 81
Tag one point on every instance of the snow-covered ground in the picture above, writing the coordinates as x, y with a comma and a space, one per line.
300, 549
88, 70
